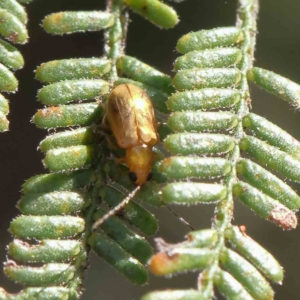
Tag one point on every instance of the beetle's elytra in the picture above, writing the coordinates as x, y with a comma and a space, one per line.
131, 117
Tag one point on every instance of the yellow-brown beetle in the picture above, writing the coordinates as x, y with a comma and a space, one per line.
131, 117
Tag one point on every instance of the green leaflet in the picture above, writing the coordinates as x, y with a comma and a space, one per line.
209, 39
144, 73
8, 82
69, 69
11, 28
180, 260
51, 204
80, 136
212, 58
229, 287
174, 295
10, 56
58, 181
181, 167
192, 193
15, 9
206, 78
202, 121
49, 274
125, 237
71, 21
72, 90
68, 115
75, 157
46, 293
203, 99
44, 252
276, 84
118, 258
155, 11
44, 227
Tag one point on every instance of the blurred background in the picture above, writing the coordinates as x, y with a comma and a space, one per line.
278, 49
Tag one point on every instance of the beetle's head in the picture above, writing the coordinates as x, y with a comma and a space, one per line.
139, 160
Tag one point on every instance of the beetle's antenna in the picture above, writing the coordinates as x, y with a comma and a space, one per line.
116, 208
178, 217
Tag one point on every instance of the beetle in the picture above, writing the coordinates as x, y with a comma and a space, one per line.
131, 118
130, 114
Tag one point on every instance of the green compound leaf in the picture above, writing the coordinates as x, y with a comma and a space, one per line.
209, 39
212, 75
44, 252
278, 85
155, 11
49, 274
12, 27
72, 90
118, 258
77, 21
256, 254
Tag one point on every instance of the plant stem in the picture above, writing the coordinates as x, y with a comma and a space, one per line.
115, 36
246, 21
